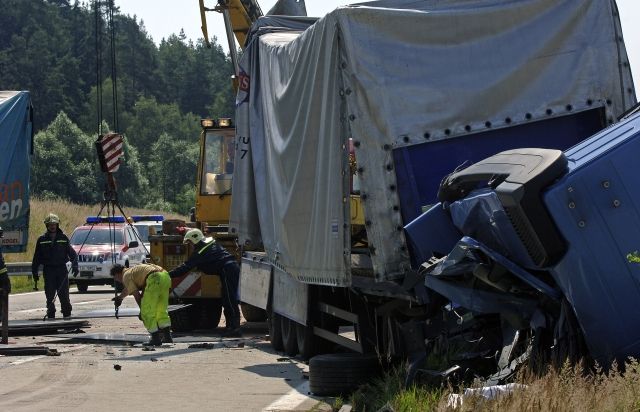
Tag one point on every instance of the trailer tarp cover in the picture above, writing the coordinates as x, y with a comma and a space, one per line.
385, 74
15, 163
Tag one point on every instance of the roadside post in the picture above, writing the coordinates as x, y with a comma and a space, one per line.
4, 308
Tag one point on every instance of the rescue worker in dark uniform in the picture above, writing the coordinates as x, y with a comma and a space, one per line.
53, 251
5, 284
212, 259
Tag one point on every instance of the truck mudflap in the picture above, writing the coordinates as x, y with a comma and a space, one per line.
255, 279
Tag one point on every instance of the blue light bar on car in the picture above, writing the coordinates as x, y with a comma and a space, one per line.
147, 218
105, 219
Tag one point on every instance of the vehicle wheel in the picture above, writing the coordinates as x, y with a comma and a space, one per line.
275, 331
181, 320
209, 313
307, 341
82, 286
334, 374
253, 313
289, 338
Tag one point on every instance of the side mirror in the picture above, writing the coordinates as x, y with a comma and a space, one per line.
133, 243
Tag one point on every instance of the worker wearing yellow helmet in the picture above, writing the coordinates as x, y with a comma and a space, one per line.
53, 251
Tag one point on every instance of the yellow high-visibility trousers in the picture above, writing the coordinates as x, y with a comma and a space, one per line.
153, 308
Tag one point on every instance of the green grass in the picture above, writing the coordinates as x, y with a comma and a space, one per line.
388, 393
21, 284
71, 215
569, 388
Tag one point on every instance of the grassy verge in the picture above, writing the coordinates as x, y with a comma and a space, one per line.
387, 393
21, 284
567, 389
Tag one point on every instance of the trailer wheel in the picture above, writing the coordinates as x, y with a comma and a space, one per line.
181, 320
83, 287
253, 313
307, 341
334, 374
275, 331
209, 313
289, 338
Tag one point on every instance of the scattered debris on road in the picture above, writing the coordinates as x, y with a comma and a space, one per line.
7, 350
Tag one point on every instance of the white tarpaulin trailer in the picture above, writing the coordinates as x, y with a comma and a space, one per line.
392, 74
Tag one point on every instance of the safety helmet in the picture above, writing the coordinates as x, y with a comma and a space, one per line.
193, 235
51, 218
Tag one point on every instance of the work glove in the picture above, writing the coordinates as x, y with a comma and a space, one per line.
75, 272
117, 301
5, 283
36, 277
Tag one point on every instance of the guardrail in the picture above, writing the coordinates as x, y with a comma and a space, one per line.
20, 269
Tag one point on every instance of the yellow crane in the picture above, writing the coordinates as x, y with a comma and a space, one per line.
238, 17
213, 192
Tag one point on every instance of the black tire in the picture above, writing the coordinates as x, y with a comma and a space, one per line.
209, 313
253, 313
275, 331
289, 338
181, 320
82, 286
307, 341
334, 374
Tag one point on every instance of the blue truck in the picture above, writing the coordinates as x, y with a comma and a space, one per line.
383, 203
16, 146
538, 241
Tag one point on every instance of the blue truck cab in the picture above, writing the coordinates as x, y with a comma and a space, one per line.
546, 235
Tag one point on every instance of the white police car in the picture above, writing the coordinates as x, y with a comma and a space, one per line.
100, 243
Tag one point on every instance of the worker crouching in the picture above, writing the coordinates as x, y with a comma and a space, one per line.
212, 259
149, 285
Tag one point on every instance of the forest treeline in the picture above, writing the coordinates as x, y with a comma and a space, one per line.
49, 48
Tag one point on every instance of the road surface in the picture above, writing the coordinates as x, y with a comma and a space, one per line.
235, 375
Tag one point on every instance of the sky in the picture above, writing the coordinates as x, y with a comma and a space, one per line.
165, 17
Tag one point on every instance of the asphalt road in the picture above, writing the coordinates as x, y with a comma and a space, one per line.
232, 375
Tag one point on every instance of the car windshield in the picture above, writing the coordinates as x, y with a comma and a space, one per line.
96, 237
146, 230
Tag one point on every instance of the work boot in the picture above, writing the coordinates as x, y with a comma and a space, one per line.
155, 340
232, 332
165, 335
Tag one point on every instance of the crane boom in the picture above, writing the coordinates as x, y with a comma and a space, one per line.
239, 16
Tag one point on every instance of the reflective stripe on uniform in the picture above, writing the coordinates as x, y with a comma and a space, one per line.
3, 270
208, 245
